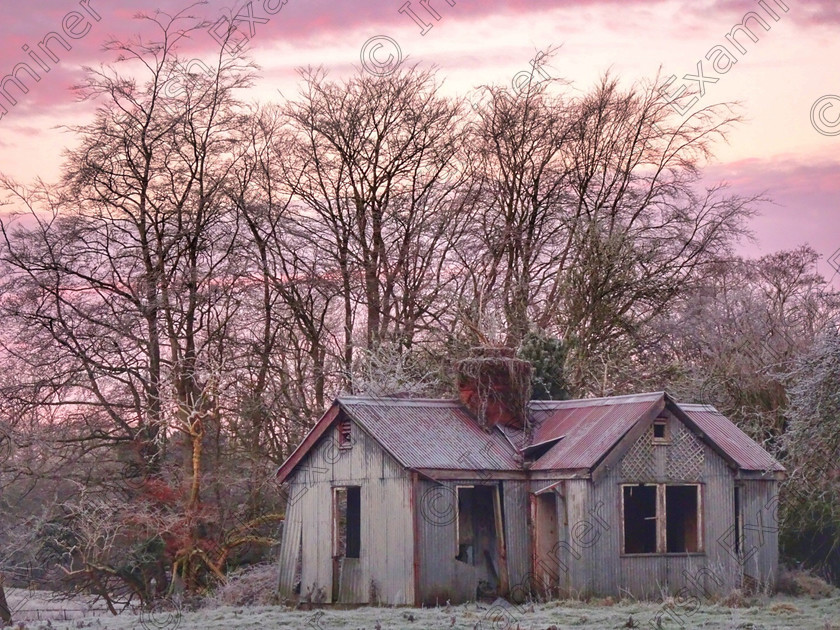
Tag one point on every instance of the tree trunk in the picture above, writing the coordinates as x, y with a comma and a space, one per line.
5, 611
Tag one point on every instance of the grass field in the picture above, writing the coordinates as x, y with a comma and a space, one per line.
774, 614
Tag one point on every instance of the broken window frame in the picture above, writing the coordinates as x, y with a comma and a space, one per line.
661, 520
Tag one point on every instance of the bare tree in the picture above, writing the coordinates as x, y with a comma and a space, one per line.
120, 286
372, 165
592, 222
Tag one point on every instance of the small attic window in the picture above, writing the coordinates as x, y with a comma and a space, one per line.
345, 439
660, 431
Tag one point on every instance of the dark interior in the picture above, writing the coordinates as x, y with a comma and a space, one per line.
640, 519
681, 519
348, 505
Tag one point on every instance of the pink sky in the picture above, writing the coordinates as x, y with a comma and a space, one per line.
778, 80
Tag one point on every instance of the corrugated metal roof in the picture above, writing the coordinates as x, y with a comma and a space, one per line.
431, 434
591, 428
737, 444
441, 434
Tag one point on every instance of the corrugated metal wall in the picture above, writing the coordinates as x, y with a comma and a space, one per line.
761, 533
596, 566
385, 568
290, 544
517, 532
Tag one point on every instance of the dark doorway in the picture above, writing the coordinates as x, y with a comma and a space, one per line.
640, 519
347, 541
476, 524
480, 538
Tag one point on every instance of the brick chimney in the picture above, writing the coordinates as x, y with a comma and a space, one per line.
495, 386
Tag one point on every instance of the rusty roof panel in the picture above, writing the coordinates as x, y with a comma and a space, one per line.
431, 434
734, 442
591, 430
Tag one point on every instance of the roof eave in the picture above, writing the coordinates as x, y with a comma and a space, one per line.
312, 438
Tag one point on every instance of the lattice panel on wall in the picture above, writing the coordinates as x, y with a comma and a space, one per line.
638, 464
686, 455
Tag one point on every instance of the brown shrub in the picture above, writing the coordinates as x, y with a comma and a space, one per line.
802, 583
784, 607
254, 586
737, 599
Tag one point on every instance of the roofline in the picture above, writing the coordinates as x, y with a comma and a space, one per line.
396, 400
630, 436
368, 432
315, 434
603, 400
321, 427
698, 407
345, 404
689, 422
714, 445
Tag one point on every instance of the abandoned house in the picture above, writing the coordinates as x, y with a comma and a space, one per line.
409, 501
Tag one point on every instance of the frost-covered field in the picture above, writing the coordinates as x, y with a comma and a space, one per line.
778, 613
31, 606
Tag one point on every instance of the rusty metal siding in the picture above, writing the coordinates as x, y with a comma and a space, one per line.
316, 566
436, 539
576, 553
444, 579
722, 572
290, 543
385, 567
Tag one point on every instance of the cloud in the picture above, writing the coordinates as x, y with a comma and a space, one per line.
804, 12
803, 207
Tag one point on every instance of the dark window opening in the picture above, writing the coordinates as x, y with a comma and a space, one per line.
647, 530
348, 522
640, 519
681, 518
344, 437
738, 532
659, 430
